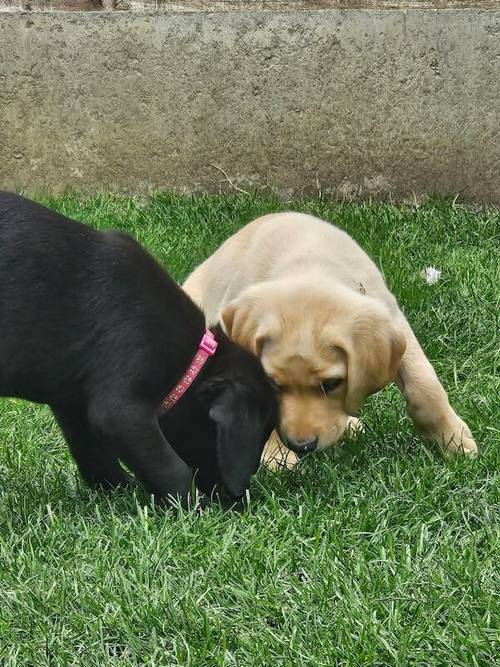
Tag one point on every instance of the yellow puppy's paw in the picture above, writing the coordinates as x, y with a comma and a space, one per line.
354, 427
276, 456
456, 439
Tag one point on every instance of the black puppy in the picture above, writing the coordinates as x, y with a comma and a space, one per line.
93, 326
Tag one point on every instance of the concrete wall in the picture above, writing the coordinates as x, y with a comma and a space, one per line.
381, 103
231, 5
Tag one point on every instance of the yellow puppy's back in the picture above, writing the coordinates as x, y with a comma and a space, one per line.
278, 245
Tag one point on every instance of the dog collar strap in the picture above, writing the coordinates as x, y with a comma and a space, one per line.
206, 349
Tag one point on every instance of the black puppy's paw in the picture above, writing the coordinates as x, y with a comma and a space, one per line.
110, 482
223, 501
203, 502
178, 490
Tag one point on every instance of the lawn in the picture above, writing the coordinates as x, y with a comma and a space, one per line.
377, 553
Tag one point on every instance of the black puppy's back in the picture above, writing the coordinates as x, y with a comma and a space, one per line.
70, 294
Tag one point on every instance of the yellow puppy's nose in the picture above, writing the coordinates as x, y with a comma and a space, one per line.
302, 446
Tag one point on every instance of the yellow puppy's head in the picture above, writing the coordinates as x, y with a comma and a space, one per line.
326, 348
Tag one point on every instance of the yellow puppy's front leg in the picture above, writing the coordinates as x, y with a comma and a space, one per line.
428, 403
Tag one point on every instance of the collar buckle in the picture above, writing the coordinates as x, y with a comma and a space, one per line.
208, 343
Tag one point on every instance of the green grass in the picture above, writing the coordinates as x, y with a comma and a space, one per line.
377, 553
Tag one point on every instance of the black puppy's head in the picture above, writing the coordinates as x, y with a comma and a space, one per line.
221, 424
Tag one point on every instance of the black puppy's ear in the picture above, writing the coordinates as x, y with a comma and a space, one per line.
240, 436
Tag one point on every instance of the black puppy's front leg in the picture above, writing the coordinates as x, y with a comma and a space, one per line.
142, 446
96, 459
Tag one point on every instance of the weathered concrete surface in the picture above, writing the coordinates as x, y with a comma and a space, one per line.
231, 5
358, 103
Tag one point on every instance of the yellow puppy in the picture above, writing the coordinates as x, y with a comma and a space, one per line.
304, 297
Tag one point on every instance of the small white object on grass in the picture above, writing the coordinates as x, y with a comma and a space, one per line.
431, 275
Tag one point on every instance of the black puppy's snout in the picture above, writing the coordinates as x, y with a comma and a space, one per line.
302, 446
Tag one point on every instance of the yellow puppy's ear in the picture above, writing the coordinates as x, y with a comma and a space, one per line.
228, 316
244, 322
239, 321
374, 352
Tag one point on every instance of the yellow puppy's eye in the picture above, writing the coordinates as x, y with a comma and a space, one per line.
330, 384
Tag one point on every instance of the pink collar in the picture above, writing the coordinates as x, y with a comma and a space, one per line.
206, 348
